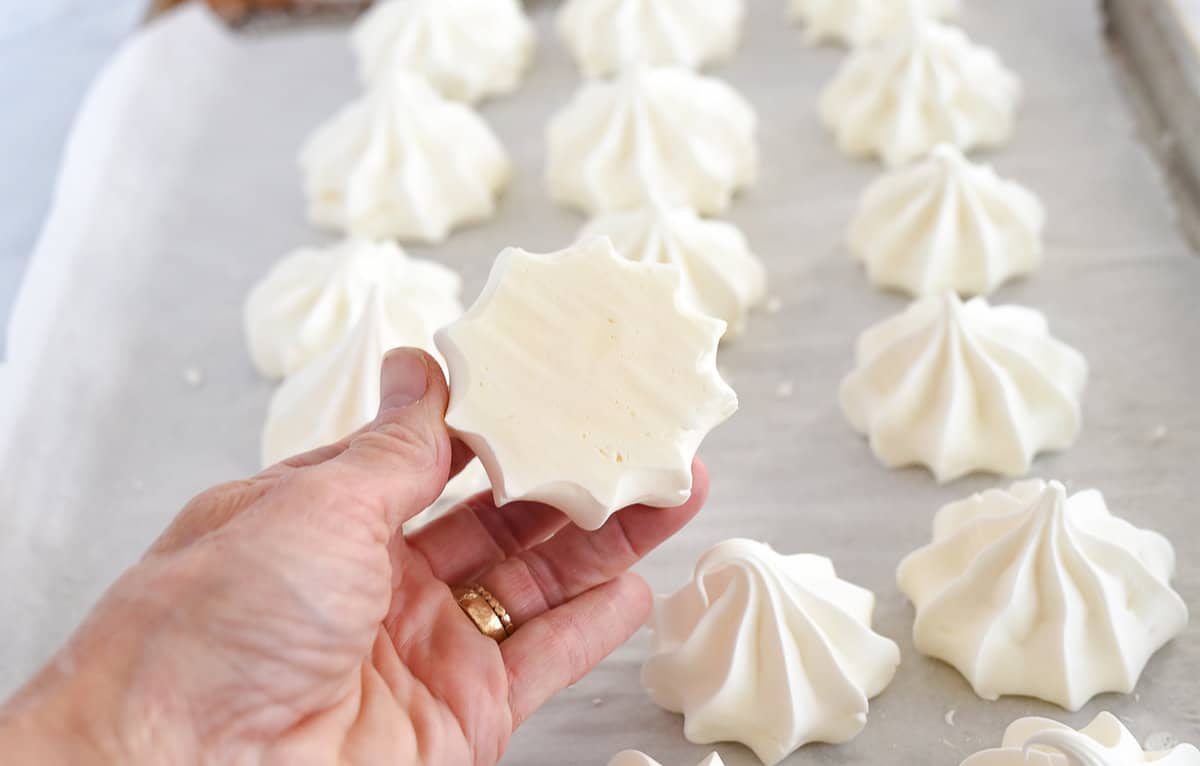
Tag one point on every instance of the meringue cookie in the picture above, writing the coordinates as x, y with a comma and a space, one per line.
606, 36
467, 49
313, 297
654, 134
1103, 742
636, 758
721, 277
962, 387
558, 376
403, 162
946, 223
859, 22
923, 86
769, 650
334, 394
1031, 592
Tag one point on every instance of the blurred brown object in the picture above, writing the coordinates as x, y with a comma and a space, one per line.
237, 11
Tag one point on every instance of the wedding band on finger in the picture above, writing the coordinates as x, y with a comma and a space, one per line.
489, 616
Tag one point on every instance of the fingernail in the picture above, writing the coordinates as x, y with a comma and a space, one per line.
405, 378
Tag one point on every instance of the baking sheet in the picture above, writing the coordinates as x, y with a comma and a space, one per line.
129, 388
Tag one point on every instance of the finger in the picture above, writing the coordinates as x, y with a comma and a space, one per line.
399, 464
576, 560
561, 646
476, 535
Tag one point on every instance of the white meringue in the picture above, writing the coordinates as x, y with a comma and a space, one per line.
403, 162
962, 387
582, 380
654, 134
467, 49
1030, 592
334, 394
721, 276
769, 650
636, 758
946, 223
1103, 742
313, 297
860, 22
608, 35
926, 85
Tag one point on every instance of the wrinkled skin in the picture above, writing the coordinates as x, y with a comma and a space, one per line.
284, 619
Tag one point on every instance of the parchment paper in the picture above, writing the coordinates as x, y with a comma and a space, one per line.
129, 388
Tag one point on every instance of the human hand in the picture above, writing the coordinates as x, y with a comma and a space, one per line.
285, 619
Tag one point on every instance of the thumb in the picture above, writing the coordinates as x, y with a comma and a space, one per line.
399, 463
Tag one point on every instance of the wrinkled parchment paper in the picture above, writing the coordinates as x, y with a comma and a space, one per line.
129, 388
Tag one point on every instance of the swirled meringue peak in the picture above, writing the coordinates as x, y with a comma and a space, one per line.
583, 380
636, 758
661, 134
1033, 592
313, 297
769, 650
1103, 742
961, 387
403, 162
608, 35
860, 22
925, 85
467, 49
335, 393
946, 223
721, 276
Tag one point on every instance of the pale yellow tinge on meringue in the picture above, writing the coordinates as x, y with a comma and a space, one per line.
403, 162
961, 387
467, 49
583, 380
946, 223
607, 36
721, 276
652, 135
922, 86
861, 22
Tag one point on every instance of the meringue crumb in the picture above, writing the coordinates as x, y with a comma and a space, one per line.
193, 376
774, 304
950, 716
597, 702
1160, 740
1158, 434
785, 389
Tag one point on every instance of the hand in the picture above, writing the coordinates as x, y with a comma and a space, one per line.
284, 619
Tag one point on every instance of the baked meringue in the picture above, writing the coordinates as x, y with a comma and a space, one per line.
1031, 592
859, 22
606, 36
946, 223
654, 134
583, 380
403, 162
334, 394
312, 297
467, 49
769, 650
1103, 742
636, 758
925, 85
721, 276
961, 387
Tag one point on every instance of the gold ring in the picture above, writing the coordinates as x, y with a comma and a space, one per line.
492, 619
